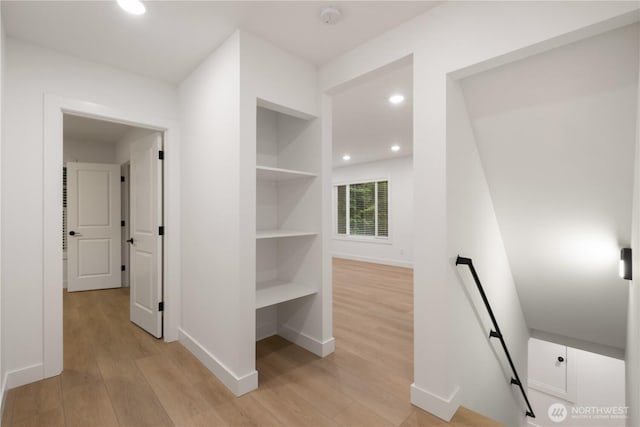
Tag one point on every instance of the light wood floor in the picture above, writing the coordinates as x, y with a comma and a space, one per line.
116, 374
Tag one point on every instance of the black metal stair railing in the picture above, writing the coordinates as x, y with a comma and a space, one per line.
496, 333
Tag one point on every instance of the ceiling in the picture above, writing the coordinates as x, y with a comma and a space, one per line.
173, 37
93, 131
366, 124
556, 135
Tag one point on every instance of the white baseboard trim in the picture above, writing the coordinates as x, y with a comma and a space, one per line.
26, 375
266, 330
316, 347
434, 404
237, 385
392, 262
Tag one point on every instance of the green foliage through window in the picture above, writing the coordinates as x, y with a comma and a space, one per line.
363, 209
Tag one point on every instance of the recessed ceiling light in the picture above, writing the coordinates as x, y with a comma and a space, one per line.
395, 147
134, 7
396, 99
346, 157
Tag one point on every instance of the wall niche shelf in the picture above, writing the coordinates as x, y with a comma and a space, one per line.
277, 234
268, 173
277, 291
289, 256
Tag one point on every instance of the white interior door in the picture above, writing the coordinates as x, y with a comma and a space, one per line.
146, 242
93, 221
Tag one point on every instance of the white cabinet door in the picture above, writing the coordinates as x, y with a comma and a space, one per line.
146, 242
94, 241
550, 370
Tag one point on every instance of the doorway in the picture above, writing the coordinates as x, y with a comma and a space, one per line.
372, 209
54, 109
97, 211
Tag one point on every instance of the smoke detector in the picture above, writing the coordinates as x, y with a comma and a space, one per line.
330, 15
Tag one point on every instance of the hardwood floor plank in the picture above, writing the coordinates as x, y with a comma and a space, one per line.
358, 415
178, 397
213, 391
419, 418
80, 367
288, 407
192, 369
207, 419
89, 405
467, 418
311, 384
51, 418
8, 407
33, 399
246, 411
133, 400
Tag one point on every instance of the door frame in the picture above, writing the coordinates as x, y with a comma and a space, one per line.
54, 108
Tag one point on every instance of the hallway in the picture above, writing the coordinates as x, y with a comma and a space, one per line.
116, 374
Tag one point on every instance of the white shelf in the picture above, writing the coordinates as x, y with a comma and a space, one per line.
276, 174
276, 234
277, 291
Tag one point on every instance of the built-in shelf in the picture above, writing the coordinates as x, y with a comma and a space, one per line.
276, 291
276, 234
277, 174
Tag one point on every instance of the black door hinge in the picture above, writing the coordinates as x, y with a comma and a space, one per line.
161, 230
122, 223
161, 306
122, 179
161, 155
123, 268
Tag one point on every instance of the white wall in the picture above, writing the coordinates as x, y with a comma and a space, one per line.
457, 38
214, 321
123, 147
88, 151
398, 250
31, 72
599, 381
473, 232
632, 354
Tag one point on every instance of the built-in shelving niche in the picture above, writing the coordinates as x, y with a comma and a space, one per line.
288, 218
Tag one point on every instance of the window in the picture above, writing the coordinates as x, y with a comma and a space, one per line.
363, 209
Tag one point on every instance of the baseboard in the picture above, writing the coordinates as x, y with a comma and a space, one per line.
266, 330
436, 405
392, 262
237, 385
27, 375
311, 344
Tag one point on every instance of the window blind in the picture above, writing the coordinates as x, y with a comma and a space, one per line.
363, 209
